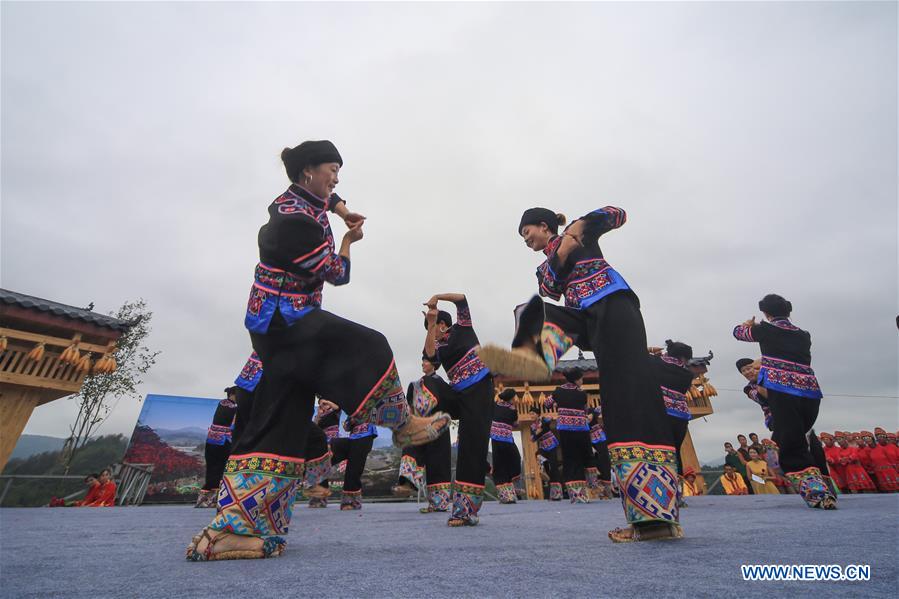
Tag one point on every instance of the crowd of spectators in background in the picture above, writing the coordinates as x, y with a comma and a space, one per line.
860, 462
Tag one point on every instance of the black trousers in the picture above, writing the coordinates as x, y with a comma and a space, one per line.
355, 452
438, 460
679, 433
216, 456
551, 465
791, 418
435, 457
612, 328
576, 454
321, 354
473, 407
244, 400
506, 462
316, 443
632, 405
601, 461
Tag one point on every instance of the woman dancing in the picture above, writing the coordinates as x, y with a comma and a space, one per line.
455, 347
570, 402
506, 457
306, 351
601, 314
794, 396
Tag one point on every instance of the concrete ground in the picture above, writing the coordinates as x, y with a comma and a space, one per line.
533, 549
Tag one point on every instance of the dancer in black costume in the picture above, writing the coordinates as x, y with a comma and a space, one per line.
601, 314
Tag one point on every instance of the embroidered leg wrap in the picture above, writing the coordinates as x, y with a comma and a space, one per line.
577, 491
410, 471
440, 497
519, 491
351, 500
647, 476
553, 344
506, 492
811, 486
467, 499
592, 475
337, 475
317, 471
317, 502
555, 491
385, 405
257, 495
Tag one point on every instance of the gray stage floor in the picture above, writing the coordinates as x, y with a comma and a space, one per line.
533, 549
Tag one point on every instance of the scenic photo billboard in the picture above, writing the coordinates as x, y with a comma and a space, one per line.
171, 434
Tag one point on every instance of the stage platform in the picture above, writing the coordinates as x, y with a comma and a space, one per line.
532, 549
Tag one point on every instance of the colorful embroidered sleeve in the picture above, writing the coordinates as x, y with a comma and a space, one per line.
744, 332
549, 284
463, 313
549, 403
602, 221
336, 270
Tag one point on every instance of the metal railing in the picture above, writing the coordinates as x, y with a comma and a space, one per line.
131, 482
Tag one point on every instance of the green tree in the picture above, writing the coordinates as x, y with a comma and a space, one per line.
96, 397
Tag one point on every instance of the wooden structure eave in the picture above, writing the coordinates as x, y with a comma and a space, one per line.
25, 383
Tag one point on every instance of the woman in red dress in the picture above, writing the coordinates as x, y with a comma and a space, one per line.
884, 471
857, 479
832, 454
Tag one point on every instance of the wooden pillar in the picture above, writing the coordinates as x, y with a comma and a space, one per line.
532, 481
689, 460
16, 405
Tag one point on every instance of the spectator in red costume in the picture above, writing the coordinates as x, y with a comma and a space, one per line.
106, 492
884, 470
857, 479
832, 454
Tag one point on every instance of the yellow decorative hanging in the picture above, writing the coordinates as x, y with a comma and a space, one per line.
84, 364
4, 343
37, 353
105, 365
71, 355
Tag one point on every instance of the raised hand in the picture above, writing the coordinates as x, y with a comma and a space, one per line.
354, 233
351, 219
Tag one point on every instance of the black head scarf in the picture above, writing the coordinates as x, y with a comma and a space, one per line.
308, 153
507, 394
572, 375
678, 350
535, 216
775, 305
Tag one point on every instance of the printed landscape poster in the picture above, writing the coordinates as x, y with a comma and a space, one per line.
171, 434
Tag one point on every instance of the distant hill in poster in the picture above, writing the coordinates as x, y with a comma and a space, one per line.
29, 445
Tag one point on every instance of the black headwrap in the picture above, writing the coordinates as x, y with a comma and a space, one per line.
678, 350
535, 216
434, 361
309, 153
775, 305
507, 394
573, 374
443, 317
742, 362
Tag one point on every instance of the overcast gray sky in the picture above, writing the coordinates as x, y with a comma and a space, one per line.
754, 147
